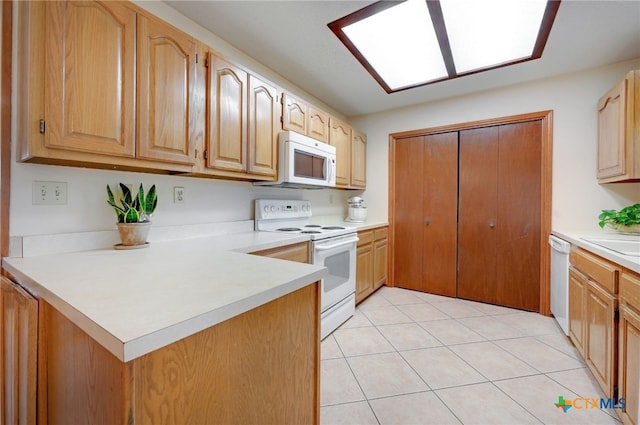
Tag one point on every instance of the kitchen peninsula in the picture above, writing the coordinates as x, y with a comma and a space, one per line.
180, 332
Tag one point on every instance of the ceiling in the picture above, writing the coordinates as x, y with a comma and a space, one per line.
292, 38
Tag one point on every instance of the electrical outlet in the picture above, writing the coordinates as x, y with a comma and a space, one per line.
49, 193
178, 195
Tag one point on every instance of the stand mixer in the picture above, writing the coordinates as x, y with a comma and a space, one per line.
357, 212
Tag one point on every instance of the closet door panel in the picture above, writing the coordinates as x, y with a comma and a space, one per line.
408, 213
440, 205
478, 214
519, 215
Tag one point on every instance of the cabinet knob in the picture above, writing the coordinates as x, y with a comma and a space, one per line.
492, 224
427, 221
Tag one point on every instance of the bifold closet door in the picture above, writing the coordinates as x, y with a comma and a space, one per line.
499, 215
426, 202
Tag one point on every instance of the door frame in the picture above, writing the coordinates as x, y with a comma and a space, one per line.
546, 118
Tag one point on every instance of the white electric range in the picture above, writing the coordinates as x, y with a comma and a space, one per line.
333, 247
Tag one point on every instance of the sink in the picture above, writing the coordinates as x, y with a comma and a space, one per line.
622, 246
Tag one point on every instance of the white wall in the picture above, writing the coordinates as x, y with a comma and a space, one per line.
577, 197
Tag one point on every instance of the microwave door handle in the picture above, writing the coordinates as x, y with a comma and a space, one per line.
329, 169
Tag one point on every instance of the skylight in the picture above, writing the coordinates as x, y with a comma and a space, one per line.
417, 42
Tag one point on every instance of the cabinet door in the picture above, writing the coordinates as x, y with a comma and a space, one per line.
577, 309
612, 131
601, 336
380, 262
295, 114
358, 159
90, 77
340, 137
296, 252
264, 121
364, 269
227, 134
318, 126
18, 329
629, 364
166, 92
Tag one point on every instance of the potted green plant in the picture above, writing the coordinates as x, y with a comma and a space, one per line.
133, 214
627, 220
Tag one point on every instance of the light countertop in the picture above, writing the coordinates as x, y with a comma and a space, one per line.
135, 301
576, 238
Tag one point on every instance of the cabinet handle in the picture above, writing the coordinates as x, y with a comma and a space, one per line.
427, 221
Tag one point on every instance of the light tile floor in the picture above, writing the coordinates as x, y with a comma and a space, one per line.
411, 358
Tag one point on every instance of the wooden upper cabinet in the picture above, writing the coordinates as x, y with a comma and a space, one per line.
166, 91
227, 116
340, 137
618, 132
89, 101
318, 124
358, 159
264, 120
295, 114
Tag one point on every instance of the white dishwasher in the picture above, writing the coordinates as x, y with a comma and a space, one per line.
560, 281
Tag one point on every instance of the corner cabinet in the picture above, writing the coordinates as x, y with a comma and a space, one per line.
243, 121
358, 179
79, 100
629, 347
371, 261
619, 133
340, 137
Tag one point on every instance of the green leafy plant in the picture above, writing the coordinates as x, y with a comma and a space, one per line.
131, 209
627, 216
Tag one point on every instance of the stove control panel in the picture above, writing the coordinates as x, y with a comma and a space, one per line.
269, 209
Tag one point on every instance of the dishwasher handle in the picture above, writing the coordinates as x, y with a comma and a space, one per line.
559, 245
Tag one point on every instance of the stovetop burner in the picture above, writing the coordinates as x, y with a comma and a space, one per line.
311, 231
313, 225
333, 228
288, 229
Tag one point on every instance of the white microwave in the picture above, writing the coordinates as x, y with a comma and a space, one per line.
304, 163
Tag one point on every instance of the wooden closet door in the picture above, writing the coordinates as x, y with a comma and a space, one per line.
518, 232
478, 213
425, 218
440, 204
408, 213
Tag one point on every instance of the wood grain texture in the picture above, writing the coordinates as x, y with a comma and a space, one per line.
407, 251
264, 123
5, 124
364, 272
90, 77
166, 66
296, 252
295, 114
602, 337
380, 261
478, 214
340, 137
227, 120
318, 124
629, 363
18, 359
578, 284
358, 159
602, 271
439, 221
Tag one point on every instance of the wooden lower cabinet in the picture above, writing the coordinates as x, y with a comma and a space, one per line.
295, 252
259, 367
629, 347
18, 358
577, 308
371, 262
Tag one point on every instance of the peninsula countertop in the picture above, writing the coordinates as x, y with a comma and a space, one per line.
133, 302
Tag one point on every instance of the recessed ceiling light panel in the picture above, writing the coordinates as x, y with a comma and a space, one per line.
416, 42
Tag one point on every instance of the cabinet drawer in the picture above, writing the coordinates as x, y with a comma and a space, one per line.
380, 233
598, 269
630, 289
365, 237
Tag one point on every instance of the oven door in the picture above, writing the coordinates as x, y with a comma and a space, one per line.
338, 255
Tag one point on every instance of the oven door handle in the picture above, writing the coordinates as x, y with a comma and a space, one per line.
336, 245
